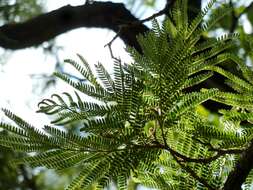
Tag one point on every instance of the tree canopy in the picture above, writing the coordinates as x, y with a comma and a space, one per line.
149, 123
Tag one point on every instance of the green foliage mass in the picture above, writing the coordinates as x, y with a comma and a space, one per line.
142, 122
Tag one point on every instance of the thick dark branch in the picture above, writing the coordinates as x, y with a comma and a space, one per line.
47, 26
243, 166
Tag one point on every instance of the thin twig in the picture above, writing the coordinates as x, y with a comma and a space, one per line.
132, 24
160, 13
193, 174
206, 160
109, 44
195, 160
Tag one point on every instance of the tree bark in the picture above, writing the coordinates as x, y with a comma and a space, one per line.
241, 170
47, 26
113, 16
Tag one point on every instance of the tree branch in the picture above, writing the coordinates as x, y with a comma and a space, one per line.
47, 26
97, 14
193, 174
241, 170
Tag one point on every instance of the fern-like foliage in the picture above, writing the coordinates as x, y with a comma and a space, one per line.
140, 122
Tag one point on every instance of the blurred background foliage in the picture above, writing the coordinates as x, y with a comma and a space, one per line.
20, 10
240, 20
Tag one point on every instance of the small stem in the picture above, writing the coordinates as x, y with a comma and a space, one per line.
193, 174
